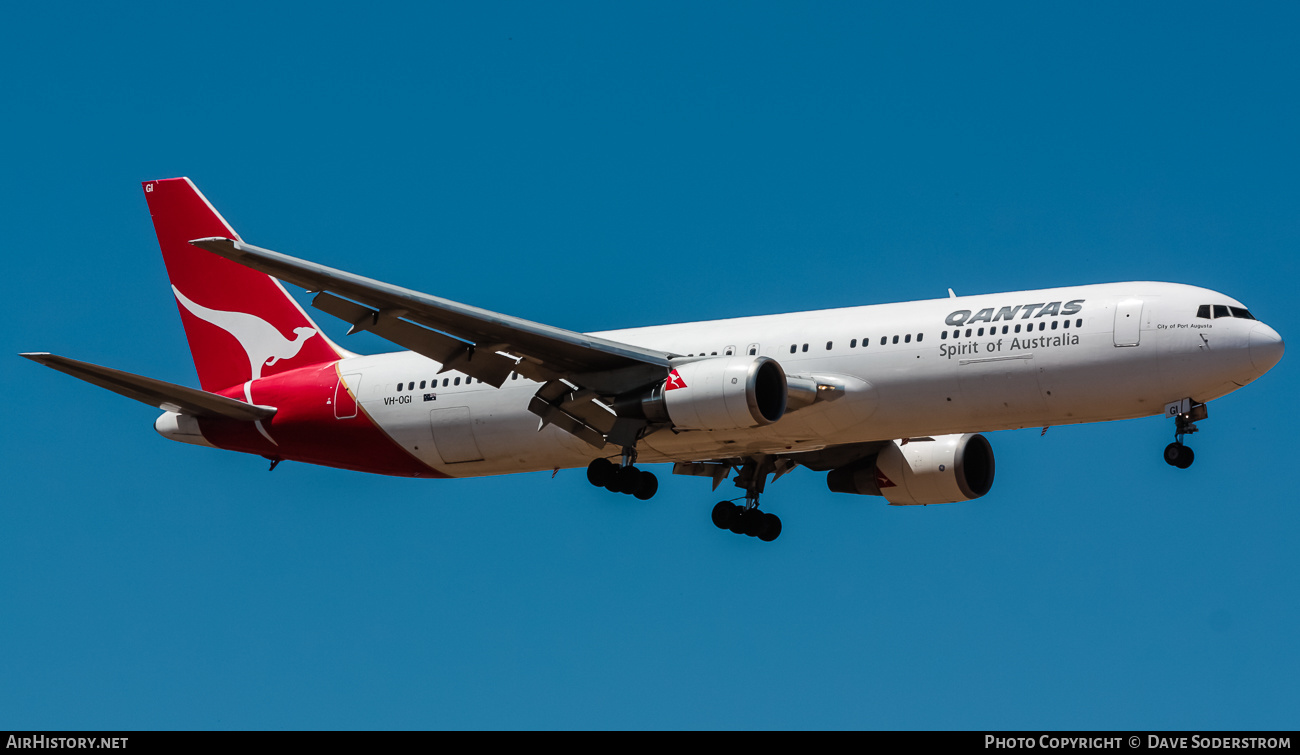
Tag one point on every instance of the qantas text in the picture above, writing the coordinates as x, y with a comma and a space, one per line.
964, 316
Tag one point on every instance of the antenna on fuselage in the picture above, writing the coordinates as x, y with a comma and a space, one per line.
951, 295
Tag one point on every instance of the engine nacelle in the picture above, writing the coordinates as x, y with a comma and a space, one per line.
727, 393
944, 469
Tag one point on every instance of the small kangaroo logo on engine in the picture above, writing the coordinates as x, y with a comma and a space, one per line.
261, 340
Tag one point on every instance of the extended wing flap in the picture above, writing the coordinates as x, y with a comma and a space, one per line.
454, 354
557, 350
156, 393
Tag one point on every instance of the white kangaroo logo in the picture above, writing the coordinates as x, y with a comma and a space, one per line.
260, 339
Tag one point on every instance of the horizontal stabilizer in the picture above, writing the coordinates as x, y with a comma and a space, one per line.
156, 393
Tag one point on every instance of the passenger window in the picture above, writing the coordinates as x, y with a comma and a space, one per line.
1078, 323
1067, 324
828, 345
794, 347
1203, 311
1017, 327
1053, 324
410, 386
956, 334
422, 384
907, 338
1004, 330
981, 332
1221, 310
805, 348
895, 339
399, 386
968, 332
884, 340
919, 336
943, 335
853, 344
1042, 326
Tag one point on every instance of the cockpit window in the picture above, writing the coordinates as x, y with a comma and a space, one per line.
1223, 310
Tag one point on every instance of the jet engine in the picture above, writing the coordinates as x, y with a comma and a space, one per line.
726, 393
943, 469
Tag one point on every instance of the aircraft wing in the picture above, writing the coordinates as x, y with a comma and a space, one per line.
156, 393
576, 369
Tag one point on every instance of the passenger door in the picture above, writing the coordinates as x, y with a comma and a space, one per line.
1128, 322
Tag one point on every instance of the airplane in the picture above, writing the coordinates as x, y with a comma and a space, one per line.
888, 400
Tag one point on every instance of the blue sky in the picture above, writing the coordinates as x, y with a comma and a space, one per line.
595, 168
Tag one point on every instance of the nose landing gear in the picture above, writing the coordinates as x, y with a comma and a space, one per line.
1178, 455
1185, 413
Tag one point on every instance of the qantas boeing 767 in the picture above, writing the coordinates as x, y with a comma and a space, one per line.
887, 399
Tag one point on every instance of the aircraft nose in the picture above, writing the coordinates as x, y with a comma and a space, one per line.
1266, 347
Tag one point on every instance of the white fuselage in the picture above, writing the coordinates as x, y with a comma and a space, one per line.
965, 364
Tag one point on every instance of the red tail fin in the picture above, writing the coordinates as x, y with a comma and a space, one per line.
241, 324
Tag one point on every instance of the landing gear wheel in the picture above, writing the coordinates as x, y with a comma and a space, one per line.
600, 471
646, 485
738, 521
626, 480
755, 523
772, 528
1178, 455
723, 514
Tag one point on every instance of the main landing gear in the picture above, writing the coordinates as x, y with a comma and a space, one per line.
746, 519
1185, 414
623, 478
742, 519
